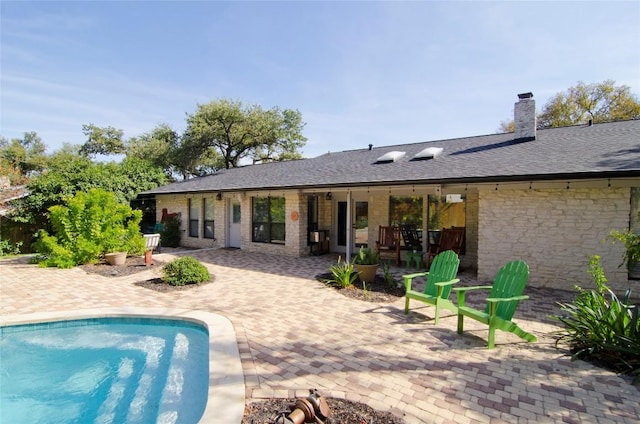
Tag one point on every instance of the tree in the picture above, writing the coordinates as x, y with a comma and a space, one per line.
158, 147
22, 158
68, 174
222, 133
599, 102
102, 141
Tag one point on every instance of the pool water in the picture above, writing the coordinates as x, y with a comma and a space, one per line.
104, 370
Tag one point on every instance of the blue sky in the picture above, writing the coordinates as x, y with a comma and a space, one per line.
359, 72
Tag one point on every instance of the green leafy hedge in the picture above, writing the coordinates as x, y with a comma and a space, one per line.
185, 270
88, 226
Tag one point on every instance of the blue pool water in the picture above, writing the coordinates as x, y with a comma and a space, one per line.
104, 370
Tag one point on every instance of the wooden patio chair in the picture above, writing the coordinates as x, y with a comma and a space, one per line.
450, 239
388, 243
439, 280
412, 240
506, 293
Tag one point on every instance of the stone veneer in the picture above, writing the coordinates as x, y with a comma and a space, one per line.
554, 231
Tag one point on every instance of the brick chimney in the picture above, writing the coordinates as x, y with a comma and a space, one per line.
524, 117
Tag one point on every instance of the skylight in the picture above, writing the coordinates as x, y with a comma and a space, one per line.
428, 153
391, 156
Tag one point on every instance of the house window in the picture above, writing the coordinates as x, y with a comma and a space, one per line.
194, 218
312, 216
405, 210
445, 212
268, 220
207, 223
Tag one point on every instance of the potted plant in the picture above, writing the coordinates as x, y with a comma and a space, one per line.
366, 263
119, 242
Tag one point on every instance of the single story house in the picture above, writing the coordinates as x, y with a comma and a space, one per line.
547, 196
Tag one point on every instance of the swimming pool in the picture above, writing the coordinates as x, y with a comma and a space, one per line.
125, 367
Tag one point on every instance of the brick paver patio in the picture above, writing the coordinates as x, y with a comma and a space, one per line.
294, 334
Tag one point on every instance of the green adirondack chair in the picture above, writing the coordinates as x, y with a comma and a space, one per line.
506, 293
441, 276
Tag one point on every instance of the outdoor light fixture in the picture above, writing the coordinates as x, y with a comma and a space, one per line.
329, 196
219, 196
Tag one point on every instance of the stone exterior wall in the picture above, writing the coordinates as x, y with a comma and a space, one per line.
554, 231
180, 204
295, 230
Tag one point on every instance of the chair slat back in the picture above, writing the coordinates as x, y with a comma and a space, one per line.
443, 268
389, 237
411, 237
452, 239
510, 281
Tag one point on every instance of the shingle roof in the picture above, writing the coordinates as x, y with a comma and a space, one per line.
582, 151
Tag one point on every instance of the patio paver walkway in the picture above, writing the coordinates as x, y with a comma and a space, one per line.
295, 334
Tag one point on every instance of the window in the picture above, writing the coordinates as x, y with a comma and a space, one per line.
312, 216
268, 220
446, 211
405, 210
194, 218
207, 223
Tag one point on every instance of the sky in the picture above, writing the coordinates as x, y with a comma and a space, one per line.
385, 72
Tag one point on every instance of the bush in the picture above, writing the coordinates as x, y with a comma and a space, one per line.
601, 330
87, 226
185, 270
6, 248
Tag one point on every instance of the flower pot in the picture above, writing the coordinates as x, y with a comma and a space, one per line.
367, 273
116, 258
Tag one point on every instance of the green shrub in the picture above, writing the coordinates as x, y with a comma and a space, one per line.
600, 327
343, 274
631, 243
6, 248
185, 270
87, 226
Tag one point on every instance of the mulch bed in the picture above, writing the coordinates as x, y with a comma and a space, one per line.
134, 265
377, 291
342, 412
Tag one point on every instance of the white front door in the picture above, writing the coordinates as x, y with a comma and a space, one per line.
235, 219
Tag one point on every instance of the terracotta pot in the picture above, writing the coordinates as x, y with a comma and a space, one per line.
367, 273
116, 258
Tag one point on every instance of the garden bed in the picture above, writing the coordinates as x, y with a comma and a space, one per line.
342, 412
378, 291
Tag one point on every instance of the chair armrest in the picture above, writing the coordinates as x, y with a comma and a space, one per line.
464, 289
506, 299
448, 283
408, 278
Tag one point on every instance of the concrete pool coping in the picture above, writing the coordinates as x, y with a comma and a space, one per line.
226, 399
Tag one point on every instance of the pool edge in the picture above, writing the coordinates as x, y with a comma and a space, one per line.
226, 397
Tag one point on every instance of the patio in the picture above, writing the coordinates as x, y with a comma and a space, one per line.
295, 334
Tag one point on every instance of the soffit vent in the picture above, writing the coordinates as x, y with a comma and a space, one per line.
390, 156
428, 153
